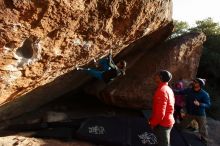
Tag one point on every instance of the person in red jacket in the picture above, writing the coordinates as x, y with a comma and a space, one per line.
162, 118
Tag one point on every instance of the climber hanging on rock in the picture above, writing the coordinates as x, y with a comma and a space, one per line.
108, 69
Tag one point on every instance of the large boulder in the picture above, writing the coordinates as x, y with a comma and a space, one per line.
42, 41
135, 90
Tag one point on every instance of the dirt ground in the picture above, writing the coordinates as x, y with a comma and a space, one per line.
213, 128
26, 141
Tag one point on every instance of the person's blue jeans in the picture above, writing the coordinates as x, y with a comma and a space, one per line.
95, 73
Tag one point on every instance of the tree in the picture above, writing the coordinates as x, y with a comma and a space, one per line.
180, 27
208, 26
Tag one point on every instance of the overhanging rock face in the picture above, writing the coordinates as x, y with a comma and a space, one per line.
42, 41
135, 90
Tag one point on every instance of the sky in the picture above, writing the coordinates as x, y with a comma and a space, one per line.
193, 10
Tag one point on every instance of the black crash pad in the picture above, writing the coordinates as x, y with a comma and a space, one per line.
123, 131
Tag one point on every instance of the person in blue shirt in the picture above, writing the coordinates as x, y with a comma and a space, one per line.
108, 69
197, 101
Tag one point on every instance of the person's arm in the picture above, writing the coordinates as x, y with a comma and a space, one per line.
111, 62
206, 102
159, 109
114, 66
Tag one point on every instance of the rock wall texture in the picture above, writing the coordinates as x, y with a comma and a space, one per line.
42, 41
180, 56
